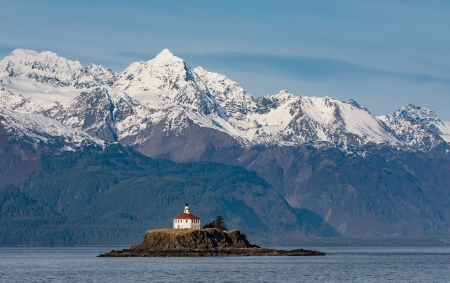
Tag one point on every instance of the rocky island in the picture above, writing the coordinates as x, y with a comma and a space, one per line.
200, 242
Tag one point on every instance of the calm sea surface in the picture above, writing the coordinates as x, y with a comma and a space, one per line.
80, 264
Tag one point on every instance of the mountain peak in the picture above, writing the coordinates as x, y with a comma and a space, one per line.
19, 52
27, 56
165, 54
356, 104
283, 94
417, 114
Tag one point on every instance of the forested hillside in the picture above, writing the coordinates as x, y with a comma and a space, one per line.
112, 196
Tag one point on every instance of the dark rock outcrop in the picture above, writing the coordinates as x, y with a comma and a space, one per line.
210, 238
204, 242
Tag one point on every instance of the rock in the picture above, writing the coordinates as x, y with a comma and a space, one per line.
204, 242
210, 238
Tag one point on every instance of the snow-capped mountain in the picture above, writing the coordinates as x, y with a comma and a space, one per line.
167, 92
46, 68
228, 94
418, 127
166, 79
94, 76
17, 101
111, 109
425, 117
42, 132
47, 78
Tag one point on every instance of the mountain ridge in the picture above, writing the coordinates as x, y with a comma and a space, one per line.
214, 101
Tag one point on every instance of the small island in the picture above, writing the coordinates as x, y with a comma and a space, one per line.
200, 242
186, 239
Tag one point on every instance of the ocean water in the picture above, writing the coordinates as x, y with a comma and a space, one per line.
80, 264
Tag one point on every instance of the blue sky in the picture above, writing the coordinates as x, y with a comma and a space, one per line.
384, 54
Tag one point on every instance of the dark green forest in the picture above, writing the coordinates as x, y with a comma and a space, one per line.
112, 196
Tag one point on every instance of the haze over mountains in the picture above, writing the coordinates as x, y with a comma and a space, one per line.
365, 175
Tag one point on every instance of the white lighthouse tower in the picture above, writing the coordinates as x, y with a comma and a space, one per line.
186, 220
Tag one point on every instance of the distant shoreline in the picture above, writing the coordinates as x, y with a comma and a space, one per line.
354, 242
295, 242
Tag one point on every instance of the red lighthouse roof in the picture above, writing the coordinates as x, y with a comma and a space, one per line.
186, 216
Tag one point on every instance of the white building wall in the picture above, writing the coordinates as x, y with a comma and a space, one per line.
186, 223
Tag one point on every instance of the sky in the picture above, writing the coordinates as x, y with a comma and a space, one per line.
384, 54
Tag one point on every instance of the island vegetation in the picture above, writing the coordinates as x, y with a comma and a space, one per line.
219, 224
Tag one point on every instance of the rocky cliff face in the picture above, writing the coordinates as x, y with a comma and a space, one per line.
205, 242
176, 239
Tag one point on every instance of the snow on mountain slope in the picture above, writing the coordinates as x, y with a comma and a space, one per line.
444, 127
292, 120
43, 132
97, 112
18, 102
230, 95
47, 78
166, 79
46, 67
288, 119
123, 106
94, 76
418, 127
112, 115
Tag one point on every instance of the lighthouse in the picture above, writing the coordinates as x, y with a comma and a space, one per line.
186, 220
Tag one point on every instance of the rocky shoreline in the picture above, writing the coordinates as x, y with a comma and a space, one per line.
214, 252
197, 243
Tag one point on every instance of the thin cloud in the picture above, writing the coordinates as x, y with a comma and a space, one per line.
302, 67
